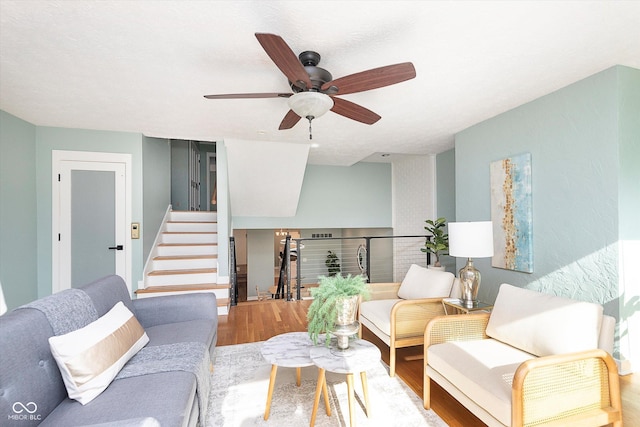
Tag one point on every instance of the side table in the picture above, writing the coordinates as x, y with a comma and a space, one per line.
360, 356
290, 350
459, 307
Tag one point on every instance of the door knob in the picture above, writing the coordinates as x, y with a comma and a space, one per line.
117, 248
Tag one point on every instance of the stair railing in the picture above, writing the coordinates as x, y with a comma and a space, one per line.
311, 251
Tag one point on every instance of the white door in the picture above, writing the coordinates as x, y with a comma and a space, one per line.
90, 238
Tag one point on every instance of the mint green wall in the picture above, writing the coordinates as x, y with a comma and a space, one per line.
224, 214
446, 196
629, 212
337, 197
18, 239
629, 119
156, 187
574, 140
50, 138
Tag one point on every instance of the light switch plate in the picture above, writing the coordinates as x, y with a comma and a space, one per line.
135, 230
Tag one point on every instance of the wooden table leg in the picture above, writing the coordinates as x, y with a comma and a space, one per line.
365, 389
316, 398
352, 421
326, 397
272, 380
298, 377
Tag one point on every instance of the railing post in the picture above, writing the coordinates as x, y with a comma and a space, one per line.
368, 261
287, 255
298, 268
233, 271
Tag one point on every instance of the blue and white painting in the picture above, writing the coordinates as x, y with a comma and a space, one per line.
511, 213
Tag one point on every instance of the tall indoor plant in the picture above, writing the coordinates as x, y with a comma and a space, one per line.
333, 301
438, 244
333, 263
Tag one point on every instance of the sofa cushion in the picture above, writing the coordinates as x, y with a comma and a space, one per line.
90, 358
482, 370
168, 397
421, 282
543, 324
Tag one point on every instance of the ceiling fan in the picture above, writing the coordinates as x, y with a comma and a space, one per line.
314, 89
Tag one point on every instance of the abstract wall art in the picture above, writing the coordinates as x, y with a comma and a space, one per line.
511, 213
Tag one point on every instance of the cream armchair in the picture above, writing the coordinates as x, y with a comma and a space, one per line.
397, 313
535, 360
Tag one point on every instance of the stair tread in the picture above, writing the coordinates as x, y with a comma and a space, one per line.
188, 244
189, 232
191, 222
185, 271
184, 257
180, 288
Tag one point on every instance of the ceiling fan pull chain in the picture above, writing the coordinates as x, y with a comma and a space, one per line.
310, 134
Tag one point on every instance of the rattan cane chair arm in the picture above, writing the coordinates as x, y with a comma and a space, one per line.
568, 389
459, 327
410, 317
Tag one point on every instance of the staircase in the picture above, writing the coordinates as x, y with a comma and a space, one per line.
185, 258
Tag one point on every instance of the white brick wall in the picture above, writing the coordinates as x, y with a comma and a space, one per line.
413, 203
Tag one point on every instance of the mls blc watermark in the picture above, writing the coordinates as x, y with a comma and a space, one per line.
24, 412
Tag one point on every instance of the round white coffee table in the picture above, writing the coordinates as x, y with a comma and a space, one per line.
360, 356
290, 350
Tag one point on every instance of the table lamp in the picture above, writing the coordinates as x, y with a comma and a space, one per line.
470, 240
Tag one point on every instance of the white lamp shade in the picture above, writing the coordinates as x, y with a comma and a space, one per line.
312, 104
471, 239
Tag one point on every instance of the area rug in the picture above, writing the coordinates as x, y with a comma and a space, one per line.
239, 393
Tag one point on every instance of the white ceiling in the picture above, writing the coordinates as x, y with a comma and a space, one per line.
144, 66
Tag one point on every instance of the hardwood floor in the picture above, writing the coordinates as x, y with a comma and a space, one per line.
258, 321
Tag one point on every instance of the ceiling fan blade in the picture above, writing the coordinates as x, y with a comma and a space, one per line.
354, 111
287, 61
372, 79
249, 95
289, 121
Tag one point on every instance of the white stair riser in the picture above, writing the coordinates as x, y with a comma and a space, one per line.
187, 250
193, 216
180, 279
192, 226
184, 264
189, 238
195, 233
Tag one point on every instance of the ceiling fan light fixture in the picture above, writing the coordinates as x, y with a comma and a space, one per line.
310, 104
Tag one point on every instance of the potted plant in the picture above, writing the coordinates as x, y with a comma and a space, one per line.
333, 263
334, 307
439, 242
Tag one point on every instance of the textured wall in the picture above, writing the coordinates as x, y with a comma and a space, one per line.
413, 203
572, 135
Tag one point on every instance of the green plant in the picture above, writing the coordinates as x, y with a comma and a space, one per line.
322, 312
333, 263
438, 244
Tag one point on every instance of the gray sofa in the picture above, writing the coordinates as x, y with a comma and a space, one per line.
32, 391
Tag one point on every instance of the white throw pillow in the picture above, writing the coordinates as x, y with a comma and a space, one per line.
90, 358
421, 282
543, 324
